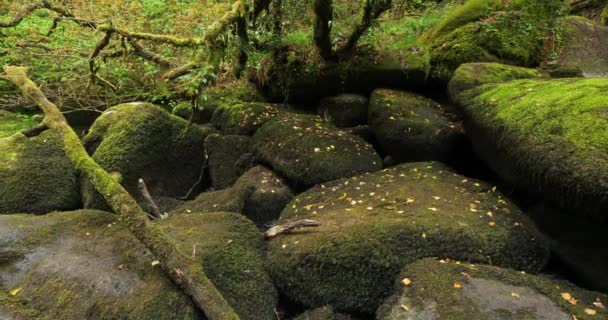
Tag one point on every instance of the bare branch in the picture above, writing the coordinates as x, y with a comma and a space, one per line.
143, 189
180, 71
149, 55
289, 226
21, 15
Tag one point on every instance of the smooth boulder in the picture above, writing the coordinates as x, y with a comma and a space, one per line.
374, 224
345, 110
439, 289
307, 151
241, 118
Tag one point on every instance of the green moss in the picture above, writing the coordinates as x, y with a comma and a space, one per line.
223, 152
410, 127
371, 225
11, 123
307, 151
225, 93
36, 176
471, 10
604, 16
241, 118
546, 137
232, 258
143, 141
485, 292
471, 75
522, 33
17, 309
183, 110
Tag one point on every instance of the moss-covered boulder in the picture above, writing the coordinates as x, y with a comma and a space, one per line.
345, 110
139, 140
307, 151
35, 175
297, 74
373, 224
223, 152
577, 244
547, 137
518, 32
471, 75
87, 265
432, 289
259, 194
410, 127
583, 49
243, 118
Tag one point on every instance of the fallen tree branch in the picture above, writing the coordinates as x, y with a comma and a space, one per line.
182, 269
143, 189
149, 55
288, 227
35, 131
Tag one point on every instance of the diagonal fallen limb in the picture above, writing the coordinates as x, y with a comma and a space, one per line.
288, 227
183, 270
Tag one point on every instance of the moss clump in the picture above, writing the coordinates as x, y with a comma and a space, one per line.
546, 137
183, 110
410, 127
230, 249
225, 93
35, 175
457, 291
141, 140
471, 75
242, 118
307, 151
519, 32
470, 11
11, 123
372, 225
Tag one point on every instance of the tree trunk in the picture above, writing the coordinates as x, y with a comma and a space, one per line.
184, 271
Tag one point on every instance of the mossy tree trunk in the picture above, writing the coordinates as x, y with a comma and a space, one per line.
184, 271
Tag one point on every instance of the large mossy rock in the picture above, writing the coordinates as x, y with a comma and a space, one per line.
583, 49
35, 175
373, 224
297, 74
307, 151
87, 265
140, 140
547, 137
410, 127
259, 194
345, 110
471, 75
223, 153
243, 118
518, 32
459, 291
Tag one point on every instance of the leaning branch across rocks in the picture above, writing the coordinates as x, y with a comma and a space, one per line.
183, 270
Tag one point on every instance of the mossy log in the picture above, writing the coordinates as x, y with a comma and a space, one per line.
185, 272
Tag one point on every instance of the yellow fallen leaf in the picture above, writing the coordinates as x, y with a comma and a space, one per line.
423, 235
514, 295
457, 285
598, 303
590, 311
410, 200
492, 223
406, 282
15, 291
566, 296
404, 307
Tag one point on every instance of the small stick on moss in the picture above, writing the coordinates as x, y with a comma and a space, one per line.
289, 226
143, 189
187, 273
